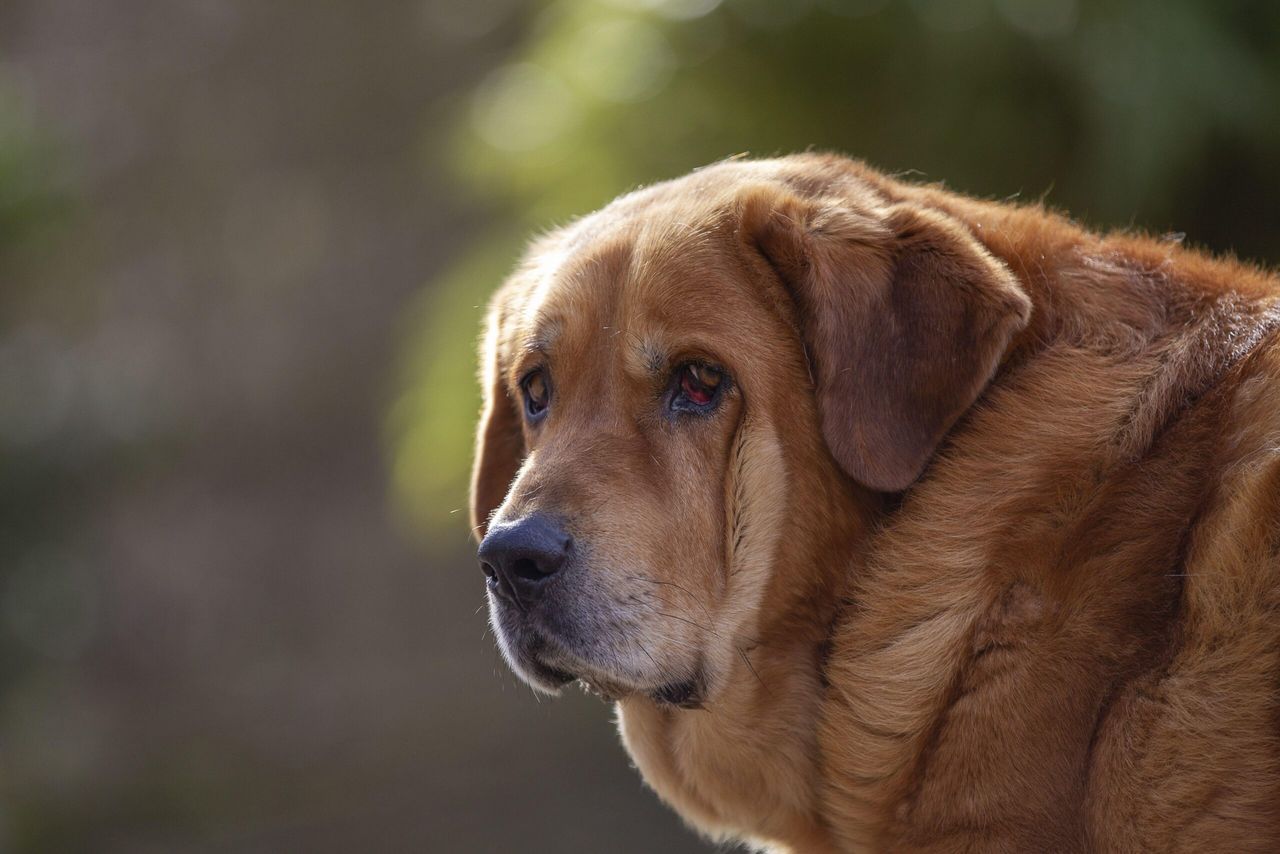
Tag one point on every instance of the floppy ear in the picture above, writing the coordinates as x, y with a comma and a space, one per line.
499, 436
905, 318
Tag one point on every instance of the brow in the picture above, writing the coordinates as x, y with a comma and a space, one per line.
644, 358
529, 350
543, 337
653, 356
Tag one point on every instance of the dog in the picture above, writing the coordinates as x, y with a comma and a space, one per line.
893, 519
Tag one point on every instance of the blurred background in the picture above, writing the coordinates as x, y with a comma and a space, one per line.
244, 250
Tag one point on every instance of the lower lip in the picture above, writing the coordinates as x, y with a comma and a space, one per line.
532, 654
553, 674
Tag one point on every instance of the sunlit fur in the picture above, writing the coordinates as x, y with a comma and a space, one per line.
1060, 632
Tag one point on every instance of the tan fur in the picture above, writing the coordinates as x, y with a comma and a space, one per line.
1061, 632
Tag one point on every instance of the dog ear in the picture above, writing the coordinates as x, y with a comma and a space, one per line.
904, 316
500, 446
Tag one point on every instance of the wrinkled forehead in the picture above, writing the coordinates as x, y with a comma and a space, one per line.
643, 288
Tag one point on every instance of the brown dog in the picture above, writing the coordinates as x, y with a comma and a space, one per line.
896, 520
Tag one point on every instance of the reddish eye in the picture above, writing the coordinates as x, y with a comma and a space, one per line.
698, 385
536, 394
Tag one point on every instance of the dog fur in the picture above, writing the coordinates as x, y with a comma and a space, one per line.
981, 550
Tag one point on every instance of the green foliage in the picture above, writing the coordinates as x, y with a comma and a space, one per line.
431, 423
28, 196
1157, 112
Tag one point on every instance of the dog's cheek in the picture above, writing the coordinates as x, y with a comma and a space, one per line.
756, 495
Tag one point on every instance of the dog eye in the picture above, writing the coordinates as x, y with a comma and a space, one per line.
698, 387
536, 395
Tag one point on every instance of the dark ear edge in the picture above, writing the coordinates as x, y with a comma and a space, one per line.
905, 318
499, 436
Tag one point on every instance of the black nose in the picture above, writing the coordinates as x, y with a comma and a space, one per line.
519, 557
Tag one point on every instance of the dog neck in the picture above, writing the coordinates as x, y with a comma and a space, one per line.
1081, 430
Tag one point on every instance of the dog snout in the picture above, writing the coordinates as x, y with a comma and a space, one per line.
519, 557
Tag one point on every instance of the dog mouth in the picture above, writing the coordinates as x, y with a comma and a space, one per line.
547, 675
548, 665
551, 665
682, 694
529, 660
686, 694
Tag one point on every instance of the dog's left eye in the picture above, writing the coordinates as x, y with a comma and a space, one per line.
697, 388
537, 395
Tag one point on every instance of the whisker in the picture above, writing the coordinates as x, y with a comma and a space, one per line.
679, 587
693, 623
747, 662
645, 650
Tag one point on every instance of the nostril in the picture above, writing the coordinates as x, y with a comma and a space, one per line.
527, 569
518, 557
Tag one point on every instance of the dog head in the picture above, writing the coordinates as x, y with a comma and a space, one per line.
677, 386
